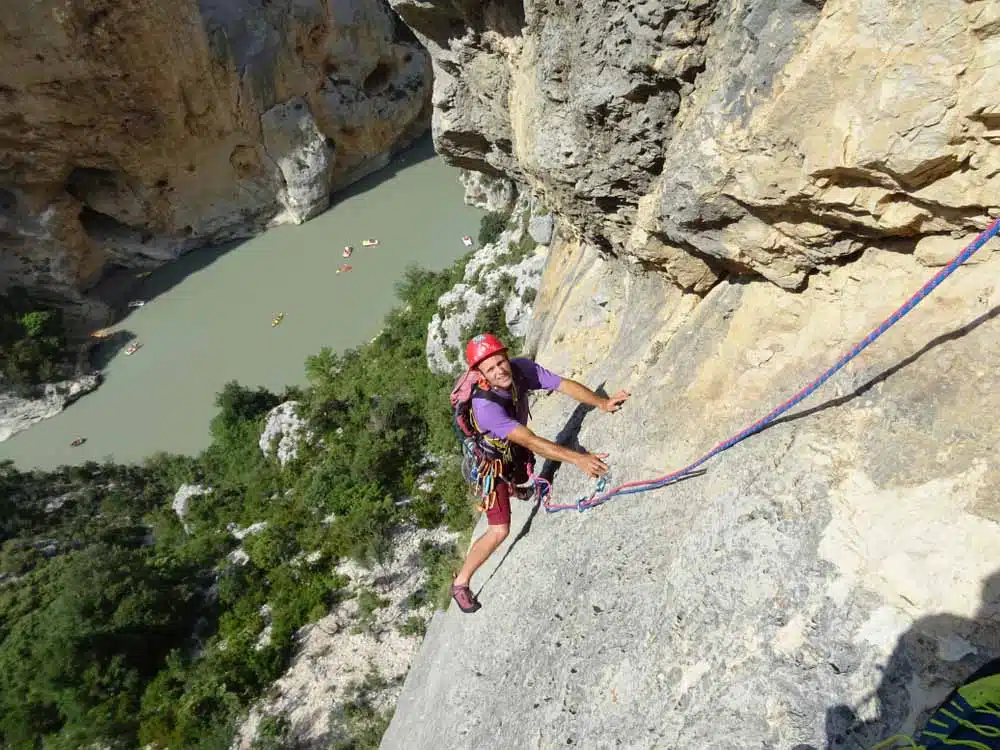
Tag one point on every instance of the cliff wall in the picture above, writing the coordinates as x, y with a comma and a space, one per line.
706, 137
742, 191
132, 131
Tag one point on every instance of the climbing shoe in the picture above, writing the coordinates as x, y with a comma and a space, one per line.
465, 599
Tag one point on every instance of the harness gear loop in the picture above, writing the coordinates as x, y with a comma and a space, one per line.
494, 456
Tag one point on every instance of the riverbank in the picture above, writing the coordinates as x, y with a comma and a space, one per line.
207, 317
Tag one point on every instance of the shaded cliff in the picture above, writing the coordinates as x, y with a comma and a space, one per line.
742, 192
710, 136
135, 131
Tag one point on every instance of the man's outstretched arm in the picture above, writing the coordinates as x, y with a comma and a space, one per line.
588, 463
584, 395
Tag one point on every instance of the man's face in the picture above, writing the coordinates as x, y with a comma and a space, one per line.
496, 370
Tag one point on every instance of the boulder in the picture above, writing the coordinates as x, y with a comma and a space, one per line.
182, 499
540, 228
284, 431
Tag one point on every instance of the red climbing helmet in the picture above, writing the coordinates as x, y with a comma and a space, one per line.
481, 347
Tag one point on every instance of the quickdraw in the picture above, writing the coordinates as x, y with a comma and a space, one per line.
489, 472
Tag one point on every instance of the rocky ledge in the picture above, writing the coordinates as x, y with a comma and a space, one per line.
709, 137
18, 413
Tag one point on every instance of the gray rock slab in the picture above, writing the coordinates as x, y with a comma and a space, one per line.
822, 584
540, 228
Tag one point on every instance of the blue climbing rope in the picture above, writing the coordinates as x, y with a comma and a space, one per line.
600, 495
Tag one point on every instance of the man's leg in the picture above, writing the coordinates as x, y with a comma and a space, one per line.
498, 518
480, 552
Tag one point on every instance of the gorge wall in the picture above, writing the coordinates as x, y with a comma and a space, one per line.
135, 131
706, 137
742, 191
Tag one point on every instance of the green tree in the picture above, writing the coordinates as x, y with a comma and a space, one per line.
76, 664
37, 323
491, 225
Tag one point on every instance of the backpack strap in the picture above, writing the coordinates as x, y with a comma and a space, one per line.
496, 446
509, 405
495, 457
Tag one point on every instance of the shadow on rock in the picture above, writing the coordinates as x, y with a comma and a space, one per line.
933, 658
420, 150
520, 535
121, 286
107, 348
567, 436
886, 374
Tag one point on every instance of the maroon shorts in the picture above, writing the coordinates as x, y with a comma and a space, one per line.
499, 514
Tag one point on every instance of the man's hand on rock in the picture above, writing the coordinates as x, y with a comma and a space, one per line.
591, 464
614, 403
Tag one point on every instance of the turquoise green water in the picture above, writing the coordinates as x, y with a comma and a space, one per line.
212, 321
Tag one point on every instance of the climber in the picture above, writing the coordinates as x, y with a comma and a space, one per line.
499, 417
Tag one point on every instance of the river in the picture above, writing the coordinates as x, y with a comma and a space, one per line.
207, 319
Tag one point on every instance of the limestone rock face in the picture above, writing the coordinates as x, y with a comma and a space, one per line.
541, 227
294, 141
497, 275
488, 192
182, 499
18, 413
742, 192
335, 654
705, 137
822, 584
134, 131
283, 432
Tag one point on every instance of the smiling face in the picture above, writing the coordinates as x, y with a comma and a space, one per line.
496, 370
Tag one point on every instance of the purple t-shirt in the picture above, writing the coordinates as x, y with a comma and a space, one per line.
493, 419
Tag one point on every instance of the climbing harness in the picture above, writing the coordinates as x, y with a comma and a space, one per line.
600, 495
486, 461
483, 474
